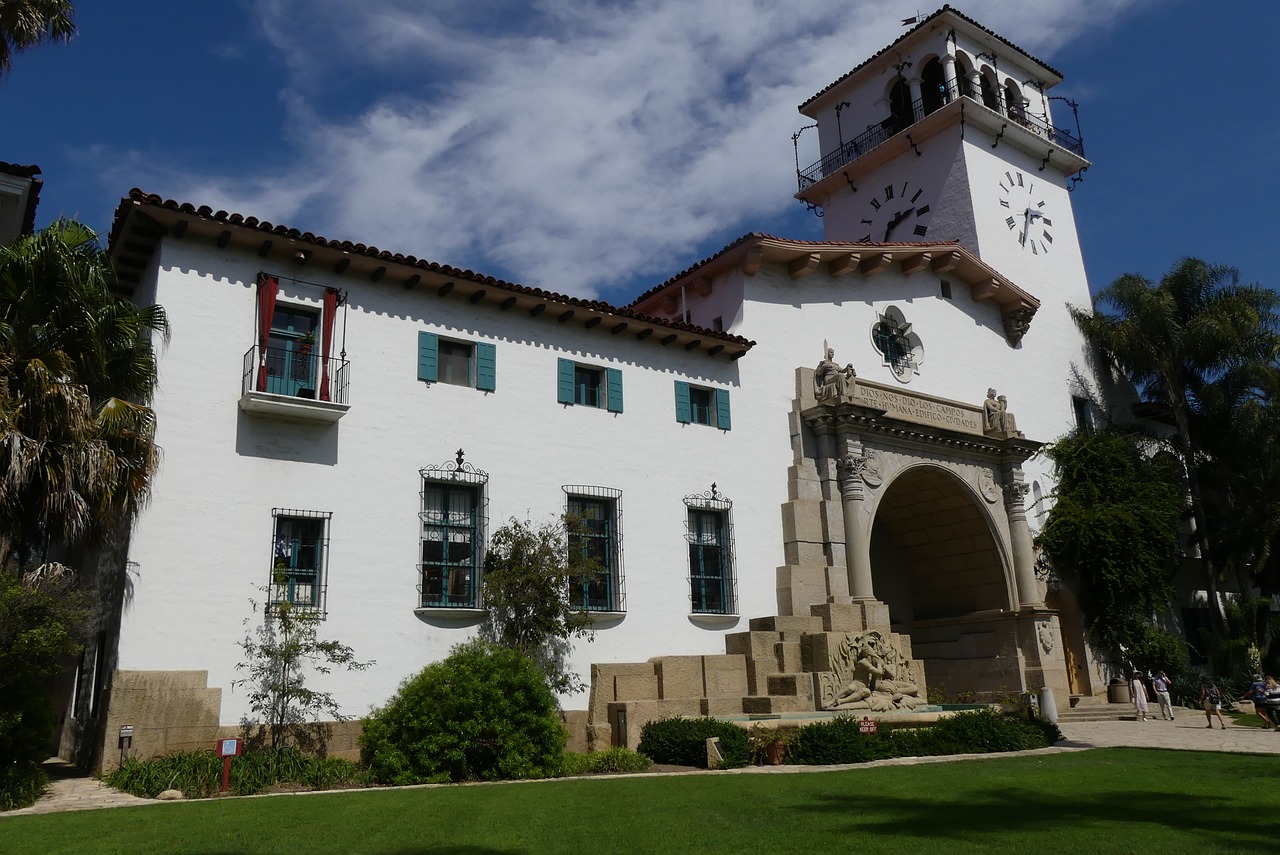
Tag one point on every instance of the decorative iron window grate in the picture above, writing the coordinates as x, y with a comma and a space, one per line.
299, 559
453, 524
594, 519
709, 533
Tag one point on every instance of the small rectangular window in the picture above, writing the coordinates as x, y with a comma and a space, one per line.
717, 324
587, 383
710, 562
595, 550
457, 366
701, 410
299, 558
946, 289
700, 405
1083, 413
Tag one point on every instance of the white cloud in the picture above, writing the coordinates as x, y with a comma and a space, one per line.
571, 145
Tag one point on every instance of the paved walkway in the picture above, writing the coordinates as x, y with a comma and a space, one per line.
69, 790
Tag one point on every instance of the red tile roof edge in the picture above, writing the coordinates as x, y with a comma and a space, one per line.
139, 197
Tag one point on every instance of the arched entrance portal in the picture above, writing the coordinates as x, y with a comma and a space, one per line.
938, 566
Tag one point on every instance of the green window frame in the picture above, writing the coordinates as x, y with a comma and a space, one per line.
594, 522
457, 362
588, 385
702, 405
451, 542
709, 534
299, 559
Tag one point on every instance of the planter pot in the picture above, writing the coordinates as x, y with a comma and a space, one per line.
774, 753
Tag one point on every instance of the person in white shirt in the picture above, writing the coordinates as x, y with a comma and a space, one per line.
1161, 685
1139, 690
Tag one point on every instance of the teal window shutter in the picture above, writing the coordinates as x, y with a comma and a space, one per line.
613, 380
564, 381
486, 366
722, 409
683, 414
428, 357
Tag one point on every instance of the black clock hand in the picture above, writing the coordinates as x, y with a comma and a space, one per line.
897, 219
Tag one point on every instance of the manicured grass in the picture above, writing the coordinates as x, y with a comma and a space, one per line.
1119, 800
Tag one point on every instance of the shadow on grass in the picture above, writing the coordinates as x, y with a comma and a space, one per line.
1219, 820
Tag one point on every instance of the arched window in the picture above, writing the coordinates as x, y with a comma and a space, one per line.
901, 116
964, 71
990, 97
933, 86
1016, 104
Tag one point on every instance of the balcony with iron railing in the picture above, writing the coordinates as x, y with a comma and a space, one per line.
294, 382
881, 132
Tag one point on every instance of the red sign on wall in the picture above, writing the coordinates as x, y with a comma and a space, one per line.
868, 725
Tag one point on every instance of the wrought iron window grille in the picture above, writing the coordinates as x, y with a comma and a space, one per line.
299, 571
599, 510
453, 529
709, 533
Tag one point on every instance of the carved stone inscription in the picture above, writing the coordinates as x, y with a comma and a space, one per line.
920, 409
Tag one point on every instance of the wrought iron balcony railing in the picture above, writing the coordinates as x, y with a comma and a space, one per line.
296, 371
896, 123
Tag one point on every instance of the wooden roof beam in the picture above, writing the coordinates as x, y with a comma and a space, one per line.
804, 265
915, 263
875, 263
753, 259
846, 263
945, 262
984, 289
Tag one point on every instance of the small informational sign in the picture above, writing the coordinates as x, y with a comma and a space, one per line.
228, 747
868, 725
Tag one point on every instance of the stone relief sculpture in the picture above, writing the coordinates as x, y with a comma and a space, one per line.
987, 486
996, 418
868, 672
1016, 324
831, 383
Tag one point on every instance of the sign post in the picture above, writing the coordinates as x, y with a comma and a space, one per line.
868, 725
226, 749
126, 742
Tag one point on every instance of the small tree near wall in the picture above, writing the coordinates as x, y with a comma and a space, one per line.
279, 652
527, 569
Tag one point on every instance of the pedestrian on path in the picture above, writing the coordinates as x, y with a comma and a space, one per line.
1161, 685
1211, 702
1139, 690
1257, 692
1273, 700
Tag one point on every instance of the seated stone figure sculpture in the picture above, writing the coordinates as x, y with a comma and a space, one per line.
831, 383
873, 675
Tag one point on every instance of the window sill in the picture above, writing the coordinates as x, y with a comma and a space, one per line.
292, 407
604, 619
713, 620
448, 616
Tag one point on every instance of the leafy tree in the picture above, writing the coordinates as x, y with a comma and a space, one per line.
77, 370
37, 630
527, 570
1114, 527
1173, 340
279, 652
27, 23
483, 713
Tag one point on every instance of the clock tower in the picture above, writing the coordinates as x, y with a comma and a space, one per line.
947, 135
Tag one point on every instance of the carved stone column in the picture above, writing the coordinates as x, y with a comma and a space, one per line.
857, 539
1015, 493
914, 86
949, 76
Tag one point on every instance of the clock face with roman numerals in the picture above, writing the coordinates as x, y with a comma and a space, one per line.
1025, 214
896, 212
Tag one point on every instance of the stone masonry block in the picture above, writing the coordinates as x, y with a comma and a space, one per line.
839, 617
679, 676
791, 626
603, 690
802, 520
817, 648
765, 705
804, 553
636, 688
800, 587
639, 713
758, 646
725, 676
721, 706
790, 685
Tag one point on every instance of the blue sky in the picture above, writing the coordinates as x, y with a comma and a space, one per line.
596, 148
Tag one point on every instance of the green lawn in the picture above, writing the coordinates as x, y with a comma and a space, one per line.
1119, 800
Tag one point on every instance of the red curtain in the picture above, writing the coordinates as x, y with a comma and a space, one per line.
268, 286
326, 343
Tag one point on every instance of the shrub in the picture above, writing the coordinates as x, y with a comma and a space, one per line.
198, 774
683, 741
839, 740
617, 760
483, 713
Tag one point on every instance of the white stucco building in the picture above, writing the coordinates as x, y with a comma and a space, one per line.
359, 420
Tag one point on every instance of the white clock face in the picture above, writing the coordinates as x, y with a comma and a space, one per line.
896, 212
1025, 213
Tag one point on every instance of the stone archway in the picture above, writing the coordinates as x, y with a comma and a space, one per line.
937, 563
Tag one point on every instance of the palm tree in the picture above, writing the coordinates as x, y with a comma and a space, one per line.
77, 371
27, 23
1173, 340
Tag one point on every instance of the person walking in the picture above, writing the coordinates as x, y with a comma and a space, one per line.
1161, 685
1273, 700
1211, 702
1139, 690
1257, 692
